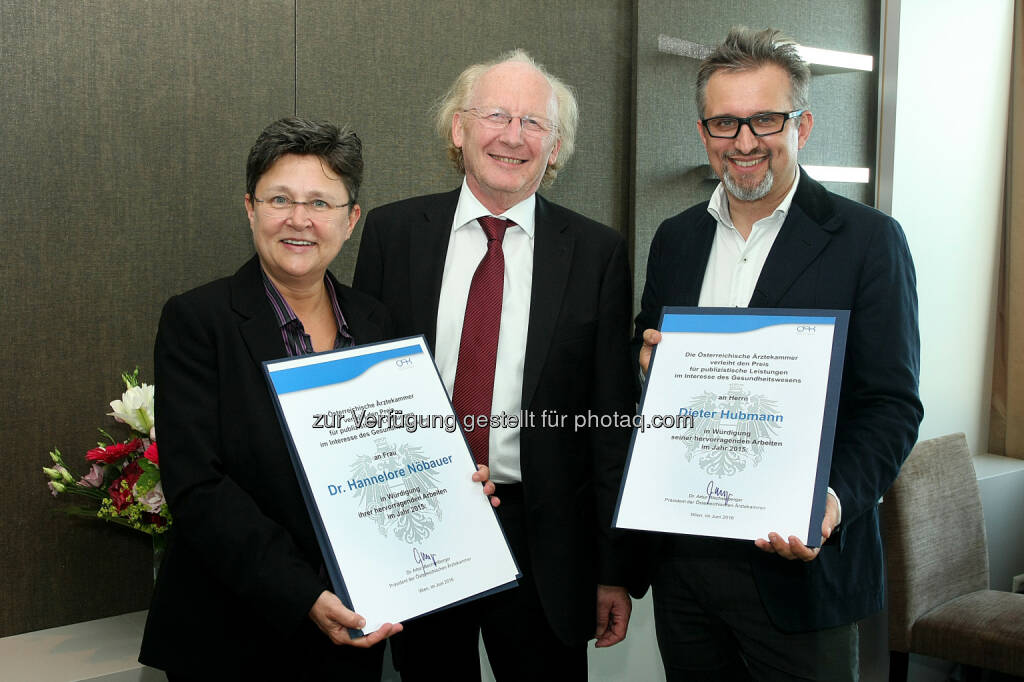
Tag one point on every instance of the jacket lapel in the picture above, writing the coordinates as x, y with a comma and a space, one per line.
806, 231
552, 258
256, 319
362, 323
693, 262
428, 245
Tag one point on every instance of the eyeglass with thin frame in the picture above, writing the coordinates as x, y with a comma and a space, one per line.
281, 205
765, 123
500, 119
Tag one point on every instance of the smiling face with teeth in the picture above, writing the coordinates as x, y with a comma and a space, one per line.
757, 170
505, 166
295, 249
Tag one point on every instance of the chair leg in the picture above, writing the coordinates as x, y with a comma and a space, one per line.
899, 662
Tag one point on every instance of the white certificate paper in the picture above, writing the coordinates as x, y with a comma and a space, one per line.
745, 402
386, 474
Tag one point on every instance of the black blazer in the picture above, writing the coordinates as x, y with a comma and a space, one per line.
837, 254
243, 566
577, 352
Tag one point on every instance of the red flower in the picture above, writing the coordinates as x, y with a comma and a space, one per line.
151, 454
131, 473
112, 453
121, 495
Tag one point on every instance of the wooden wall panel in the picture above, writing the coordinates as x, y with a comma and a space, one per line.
381, 65
125, 127
669, 155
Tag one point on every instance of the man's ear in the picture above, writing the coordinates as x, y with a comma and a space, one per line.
804, 129
702, 133
553, 156
457, 129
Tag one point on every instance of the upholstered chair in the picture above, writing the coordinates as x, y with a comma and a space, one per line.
940, 604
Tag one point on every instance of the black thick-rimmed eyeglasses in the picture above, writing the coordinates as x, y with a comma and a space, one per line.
765, 123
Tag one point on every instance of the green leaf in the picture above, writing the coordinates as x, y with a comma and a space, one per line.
149, 478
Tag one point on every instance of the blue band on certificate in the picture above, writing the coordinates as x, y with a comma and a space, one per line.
334, 372
734, 323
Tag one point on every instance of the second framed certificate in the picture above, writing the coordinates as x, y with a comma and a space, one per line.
741, 404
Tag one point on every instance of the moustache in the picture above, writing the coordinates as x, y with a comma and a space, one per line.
759, 151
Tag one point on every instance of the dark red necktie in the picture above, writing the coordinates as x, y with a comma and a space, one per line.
478, 348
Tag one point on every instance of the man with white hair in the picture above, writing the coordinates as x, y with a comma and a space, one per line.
526, 306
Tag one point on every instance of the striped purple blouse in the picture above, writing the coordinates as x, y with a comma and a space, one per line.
296, 340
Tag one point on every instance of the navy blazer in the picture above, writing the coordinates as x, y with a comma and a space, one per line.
577, 360
831, 253
243, 567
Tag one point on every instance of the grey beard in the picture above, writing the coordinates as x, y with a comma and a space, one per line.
759, 191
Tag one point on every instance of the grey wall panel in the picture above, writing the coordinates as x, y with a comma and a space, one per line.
669, 154
125, 127
381, 66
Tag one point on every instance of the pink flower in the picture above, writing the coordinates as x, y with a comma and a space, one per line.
112, 453
153, 500
151, 454
93, 479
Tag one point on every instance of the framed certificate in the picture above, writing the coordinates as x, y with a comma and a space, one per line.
386, 475
738, 419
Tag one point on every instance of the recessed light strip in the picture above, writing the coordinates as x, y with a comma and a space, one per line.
843, 60
839, 174
812, 55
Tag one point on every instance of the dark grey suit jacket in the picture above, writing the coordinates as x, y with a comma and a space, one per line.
577, 360
831, 253
243, 566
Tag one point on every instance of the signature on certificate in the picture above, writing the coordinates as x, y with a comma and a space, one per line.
716, 493
421, 557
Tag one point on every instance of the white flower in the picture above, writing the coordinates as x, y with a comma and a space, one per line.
135, 408
153, 500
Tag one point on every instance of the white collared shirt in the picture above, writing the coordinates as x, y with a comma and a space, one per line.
735, 263
467, 245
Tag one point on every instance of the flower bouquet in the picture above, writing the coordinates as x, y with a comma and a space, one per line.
123, 482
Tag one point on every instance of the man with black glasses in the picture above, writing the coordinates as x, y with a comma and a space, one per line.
772, 237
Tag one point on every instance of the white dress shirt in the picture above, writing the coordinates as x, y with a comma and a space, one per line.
735, 263
466, 247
